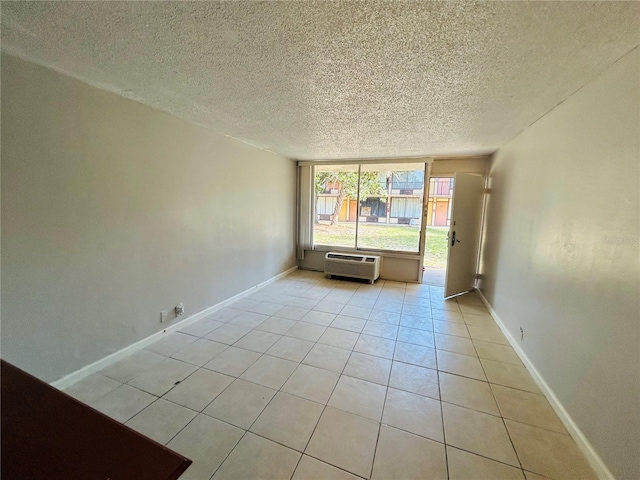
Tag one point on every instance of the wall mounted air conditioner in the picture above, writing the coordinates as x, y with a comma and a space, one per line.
352, 265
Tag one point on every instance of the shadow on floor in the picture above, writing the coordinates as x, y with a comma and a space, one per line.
433, 276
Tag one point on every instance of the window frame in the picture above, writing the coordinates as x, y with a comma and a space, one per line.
425, 162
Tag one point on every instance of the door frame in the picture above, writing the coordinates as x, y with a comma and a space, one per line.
425, 214
423, 225
480, 231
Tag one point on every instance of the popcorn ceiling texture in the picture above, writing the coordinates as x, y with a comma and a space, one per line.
330, 80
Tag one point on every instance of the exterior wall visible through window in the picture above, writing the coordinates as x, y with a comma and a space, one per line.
369, 206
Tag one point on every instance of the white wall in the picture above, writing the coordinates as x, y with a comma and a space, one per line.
113, 211
447, 166
561, 256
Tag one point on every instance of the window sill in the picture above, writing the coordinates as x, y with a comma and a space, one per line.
383, 253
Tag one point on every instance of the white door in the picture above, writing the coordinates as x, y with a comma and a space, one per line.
464, 233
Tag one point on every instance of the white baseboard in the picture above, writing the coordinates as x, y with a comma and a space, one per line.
584, 445
87, 370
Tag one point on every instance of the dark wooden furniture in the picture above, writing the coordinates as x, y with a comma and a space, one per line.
46, 434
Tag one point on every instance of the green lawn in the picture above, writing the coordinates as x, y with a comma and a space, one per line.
435, 255
386, 237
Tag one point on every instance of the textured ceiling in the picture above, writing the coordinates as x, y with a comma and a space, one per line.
325, 80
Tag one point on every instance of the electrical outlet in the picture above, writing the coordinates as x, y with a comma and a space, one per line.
521, 334
179, 309
164, 314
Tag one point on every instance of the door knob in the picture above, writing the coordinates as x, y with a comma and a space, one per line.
454, 239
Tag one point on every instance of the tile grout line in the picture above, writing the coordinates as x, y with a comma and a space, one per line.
438, 373
384, 406
228, 454
258, 416
444, 432
324, 408
375, 450
500, 416
351, 351
201, 412
500, 410
266, 406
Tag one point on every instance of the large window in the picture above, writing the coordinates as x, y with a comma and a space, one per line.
408, 180
406, 209
336, 190
369, 206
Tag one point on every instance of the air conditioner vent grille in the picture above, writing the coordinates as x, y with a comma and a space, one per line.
352, 265
350, 258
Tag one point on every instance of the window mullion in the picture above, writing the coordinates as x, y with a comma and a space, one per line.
358, 206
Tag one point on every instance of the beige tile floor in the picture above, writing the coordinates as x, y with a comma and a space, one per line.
311, 378
434, 276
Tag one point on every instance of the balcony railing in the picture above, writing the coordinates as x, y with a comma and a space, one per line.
441, 187
407, 185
